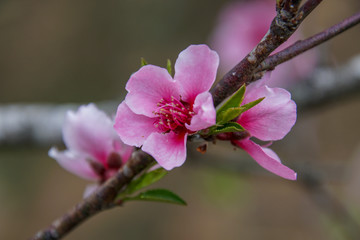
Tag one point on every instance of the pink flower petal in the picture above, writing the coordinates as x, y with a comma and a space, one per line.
75, 164
132, 128
205, 112
195, 71
266, 160
89, 131
147, 87
271, 153
271, 119
169, 149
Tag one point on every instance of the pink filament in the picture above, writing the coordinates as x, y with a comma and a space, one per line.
172, 115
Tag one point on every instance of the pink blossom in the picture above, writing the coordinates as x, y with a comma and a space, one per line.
94, 150
159, 111
241, 25
270, 120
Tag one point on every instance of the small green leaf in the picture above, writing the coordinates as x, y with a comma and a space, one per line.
228, 127
144, 180
158, 195
229, 114
233, 112
233, 102
251, 104
168, 66
143, 62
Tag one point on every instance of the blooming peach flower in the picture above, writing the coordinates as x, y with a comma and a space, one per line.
241, 25
94, 150
159, 111
270, 120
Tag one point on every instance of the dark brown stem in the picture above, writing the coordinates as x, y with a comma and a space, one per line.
304, 45
101, 200
282, 27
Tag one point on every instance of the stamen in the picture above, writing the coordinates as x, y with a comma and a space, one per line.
172, 115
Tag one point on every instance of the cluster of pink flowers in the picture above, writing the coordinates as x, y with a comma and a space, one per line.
241, 25
160, 111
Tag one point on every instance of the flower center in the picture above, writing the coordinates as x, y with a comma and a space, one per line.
172, 115
108, 169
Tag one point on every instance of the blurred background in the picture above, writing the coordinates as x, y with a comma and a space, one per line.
84, 51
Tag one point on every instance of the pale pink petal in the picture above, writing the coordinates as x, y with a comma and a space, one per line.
205, 113
169, 149
271, 119
74, 163
195, 71
89, 131
147, 87
266, 160
271, 153
132, 128
156, 166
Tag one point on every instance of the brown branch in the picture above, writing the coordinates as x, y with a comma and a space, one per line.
304, 45
282, 27
101, 200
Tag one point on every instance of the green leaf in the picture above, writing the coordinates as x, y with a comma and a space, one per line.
144, 180
251, 104
229, 114
233, 112
233, 102
158, 195
168, 66
228, 127
143, 62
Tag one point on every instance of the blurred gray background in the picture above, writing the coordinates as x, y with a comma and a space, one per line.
84, 51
